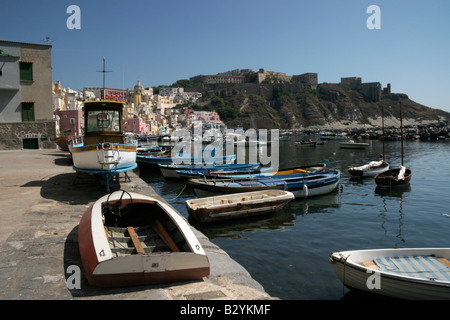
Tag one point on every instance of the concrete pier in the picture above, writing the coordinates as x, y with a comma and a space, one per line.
42, 200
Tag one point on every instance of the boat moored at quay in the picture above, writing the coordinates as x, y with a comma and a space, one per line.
103, 150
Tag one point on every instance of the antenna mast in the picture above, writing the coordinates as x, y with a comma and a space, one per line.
103, 71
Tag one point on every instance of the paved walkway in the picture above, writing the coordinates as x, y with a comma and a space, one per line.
41, 208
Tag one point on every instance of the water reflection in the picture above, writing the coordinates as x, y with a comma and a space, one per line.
388, 195
236, 229
320, 204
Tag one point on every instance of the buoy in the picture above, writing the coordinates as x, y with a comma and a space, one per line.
305, 190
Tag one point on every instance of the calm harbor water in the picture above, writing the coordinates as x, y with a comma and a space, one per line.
287, 252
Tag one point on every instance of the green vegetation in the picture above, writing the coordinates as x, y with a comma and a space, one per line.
227, 113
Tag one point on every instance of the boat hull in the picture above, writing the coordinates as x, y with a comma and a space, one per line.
353, 145
389, 178
239, 205
105, 267
102, 157
154, 161
351, 271
171, 171
368, 171
301, 185
204, 190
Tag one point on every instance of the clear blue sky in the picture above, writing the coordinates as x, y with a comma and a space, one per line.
160, 42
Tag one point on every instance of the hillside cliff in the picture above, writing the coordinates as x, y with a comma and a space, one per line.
326, 106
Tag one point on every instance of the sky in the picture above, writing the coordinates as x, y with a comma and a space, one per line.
160, 42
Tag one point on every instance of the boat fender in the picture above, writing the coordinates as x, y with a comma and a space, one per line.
305, 190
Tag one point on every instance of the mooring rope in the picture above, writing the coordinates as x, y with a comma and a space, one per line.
180, 192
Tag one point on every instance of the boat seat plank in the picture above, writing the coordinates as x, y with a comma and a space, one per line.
134, 238
444, 261
425, 267
371, 265
161, 231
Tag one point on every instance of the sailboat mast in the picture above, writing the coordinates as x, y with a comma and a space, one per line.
401, 128
382, 126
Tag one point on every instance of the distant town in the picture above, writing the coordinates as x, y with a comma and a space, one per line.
34, 109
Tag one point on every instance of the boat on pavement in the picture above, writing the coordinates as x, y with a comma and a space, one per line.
237, 205
406, 273
131, 239
103, 149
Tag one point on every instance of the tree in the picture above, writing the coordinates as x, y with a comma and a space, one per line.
183, 83
227, 113
218, 102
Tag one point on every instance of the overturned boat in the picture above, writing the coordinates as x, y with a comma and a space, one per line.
132, 239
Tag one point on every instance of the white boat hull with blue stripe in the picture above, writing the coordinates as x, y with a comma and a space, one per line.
414, 273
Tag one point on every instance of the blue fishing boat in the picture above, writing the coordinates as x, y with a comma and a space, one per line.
172, 171
154, 161
242, 173
302, 185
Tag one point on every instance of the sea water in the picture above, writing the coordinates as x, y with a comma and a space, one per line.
288, 252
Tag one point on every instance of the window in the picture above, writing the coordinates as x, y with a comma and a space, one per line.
107, 120
27, 111
26, 71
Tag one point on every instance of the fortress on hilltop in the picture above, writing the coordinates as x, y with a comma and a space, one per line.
263, 82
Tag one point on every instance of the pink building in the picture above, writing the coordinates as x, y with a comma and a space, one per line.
136, 125
206, 116
70, 122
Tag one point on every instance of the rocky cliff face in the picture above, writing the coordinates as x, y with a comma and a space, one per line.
327, 106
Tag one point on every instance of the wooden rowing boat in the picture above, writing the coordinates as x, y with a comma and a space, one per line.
238, 205
131, 239
412, 273
394, 178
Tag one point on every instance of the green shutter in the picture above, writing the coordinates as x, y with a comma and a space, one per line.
26, 71
27, 111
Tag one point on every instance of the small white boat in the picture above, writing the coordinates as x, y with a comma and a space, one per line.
351, 144
412, 273
132, 239
369, 170
238, 205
